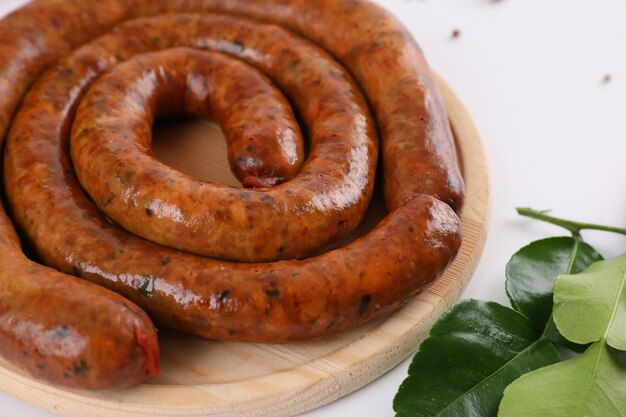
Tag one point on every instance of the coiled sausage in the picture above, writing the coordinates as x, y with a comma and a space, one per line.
275, 301
325, 201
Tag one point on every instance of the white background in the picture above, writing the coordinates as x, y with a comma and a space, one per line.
530, 72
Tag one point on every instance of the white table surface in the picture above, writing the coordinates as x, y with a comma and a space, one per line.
530, 73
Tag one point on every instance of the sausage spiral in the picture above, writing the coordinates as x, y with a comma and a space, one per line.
84, 81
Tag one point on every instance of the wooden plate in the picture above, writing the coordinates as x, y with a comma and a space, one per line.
202, 378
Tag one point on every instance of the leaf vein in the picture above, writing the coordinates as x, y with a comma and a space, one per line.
615, 305
570, 267
592, 376
573, 256
491, 376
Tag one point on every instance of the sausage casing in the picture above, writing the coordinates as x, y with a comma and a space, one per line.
112, 156
276, 301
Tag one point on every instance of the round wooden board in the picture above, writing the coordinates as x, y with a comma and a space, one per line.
204, 378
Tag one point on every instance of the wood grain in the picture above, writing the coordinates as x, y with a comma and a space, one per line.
203, 378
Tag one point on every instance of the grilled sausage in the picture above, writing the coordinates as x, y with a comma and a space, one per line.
418, 149
112, 157
68, 331
277, 301
296, 300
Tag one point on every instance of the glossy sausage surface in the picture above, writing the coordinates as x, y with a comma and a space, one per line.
296, 300
418, 148
276, 301
68, 331
114, 162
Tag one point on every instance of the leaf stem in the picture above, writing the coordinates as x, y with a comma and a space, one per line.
573, 227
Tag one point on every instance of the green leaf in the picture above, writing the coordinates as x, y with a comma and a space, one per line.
565, 346
591, 385
471, 355
532, 271
592, 305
